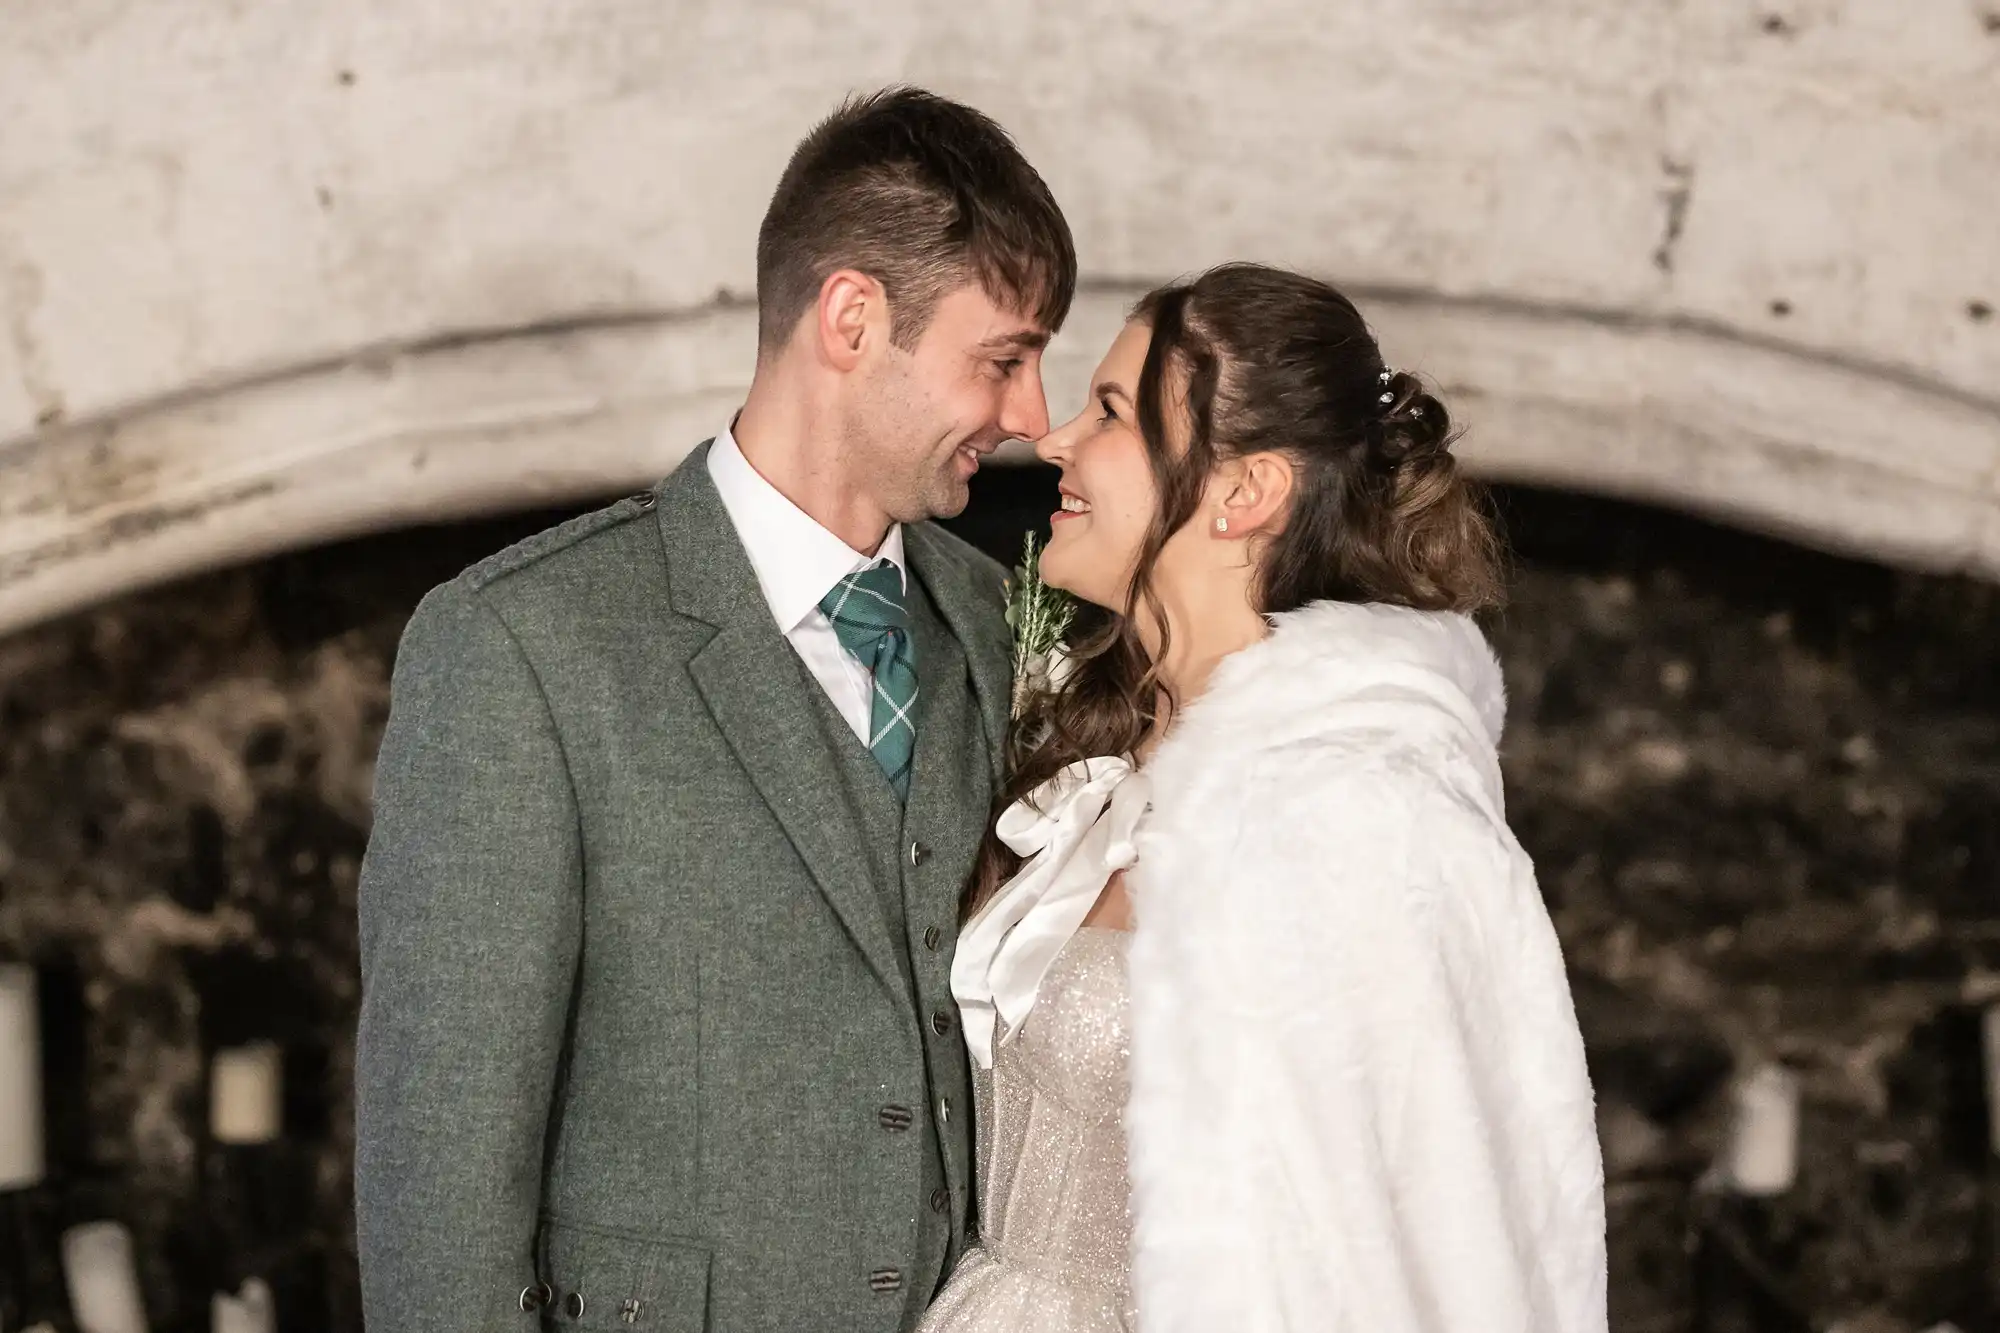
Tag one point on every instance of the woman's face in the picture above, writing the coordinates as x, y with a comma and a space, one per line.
1108, 492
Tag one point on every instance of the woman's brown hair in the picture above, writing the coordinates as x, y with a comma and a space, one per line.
1260, 360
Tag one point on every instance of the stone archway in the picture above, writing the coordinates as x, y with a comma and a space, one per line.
1817, 448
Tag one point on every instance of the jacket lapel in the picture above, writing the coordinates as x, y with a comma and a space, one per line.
976, 617
757, 692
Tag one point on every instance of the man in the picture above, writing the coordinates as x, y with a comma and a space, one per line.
677, 799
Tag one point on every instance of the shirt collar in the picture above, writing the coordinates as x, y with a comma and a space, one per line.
797, 561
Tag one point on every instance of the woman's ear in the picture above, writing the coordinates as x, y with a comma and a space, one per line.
1254, 496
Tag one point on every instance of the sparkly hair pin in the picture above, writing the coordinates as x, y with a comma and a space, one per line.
1388, 398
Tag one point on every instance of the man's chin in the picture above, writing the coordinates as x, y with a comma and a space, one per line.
949, 499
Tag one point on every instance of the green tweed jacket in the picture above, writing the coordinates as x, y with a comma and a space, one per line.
656, 1026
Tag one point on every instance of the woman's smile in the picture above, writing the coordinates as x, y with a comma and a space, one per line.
1073, 506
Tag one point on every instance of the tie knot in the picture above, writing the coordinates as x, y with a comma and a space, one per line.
867, 603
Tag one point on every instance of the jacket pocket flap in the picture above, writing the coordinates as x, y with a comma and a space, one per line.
622, 1281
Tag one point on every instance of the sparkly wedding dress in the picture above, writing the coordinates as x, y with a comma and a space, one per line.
1044, 999
1053, 1256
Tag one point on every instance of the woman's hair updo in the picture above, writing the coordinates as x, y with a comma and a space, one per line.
1278, 362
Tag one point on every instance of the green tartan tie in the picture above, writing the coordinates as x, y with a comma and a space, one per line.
866, 609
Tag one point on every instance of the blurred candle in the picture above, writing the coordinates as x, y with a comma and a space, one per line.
1992, 1031
21, 1151
1764, 1141
245, 1094
250, 1310
103, 1280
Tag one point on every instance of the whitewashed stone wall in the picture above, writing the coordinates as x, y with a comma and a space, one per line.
275, 273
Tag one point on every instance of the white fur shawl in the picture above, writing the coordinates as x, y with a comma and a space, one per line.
1359, 1099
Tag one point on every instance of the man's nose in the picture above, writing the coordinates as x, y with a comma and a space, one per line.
1025, 414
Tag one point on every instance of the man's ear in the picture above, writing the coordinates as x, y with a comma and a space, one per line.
852, 310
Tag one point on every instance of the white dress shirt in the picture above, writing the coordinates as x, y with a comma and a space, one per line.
797, 563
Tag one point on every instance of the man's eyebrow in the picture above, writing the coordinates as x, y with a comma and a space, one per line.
1026, 341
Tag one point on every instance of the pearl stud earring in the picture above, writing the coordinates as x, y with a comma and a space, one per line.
1222, 525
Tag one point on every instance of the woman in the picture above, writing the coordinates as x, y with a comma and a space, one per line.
1356, 1094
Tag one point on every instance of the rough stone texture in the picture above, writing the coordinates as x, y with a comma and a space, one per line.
1762, 787
1733, 256
198, 191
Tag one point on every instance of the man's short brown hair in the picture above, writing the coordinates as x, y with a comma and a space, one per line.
922, 194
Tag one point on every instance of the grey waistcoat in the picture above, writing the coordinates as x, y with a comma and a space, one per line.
952, 778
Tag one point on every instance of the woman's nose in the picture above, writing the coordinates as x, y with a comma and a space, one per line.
1053, 447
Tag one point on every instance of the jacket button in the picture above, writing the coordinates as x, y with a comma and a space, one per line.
646, 499
919, 853
574, 1306
535, 1297
931, 938
941, 1022
886, 1279
940, 1199
944, 1110
896, 1118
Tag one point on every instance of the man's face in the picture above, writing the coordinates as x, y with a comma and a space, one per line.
932, 413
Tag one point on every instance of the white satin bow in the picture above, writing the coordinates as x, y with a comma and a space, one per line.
1073, 846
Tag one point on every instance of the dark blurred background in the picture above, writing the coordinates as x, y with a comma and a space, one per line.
1761, 785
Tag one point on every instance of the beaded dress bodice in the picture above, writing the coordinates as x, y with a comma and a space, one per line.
1054, 1253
